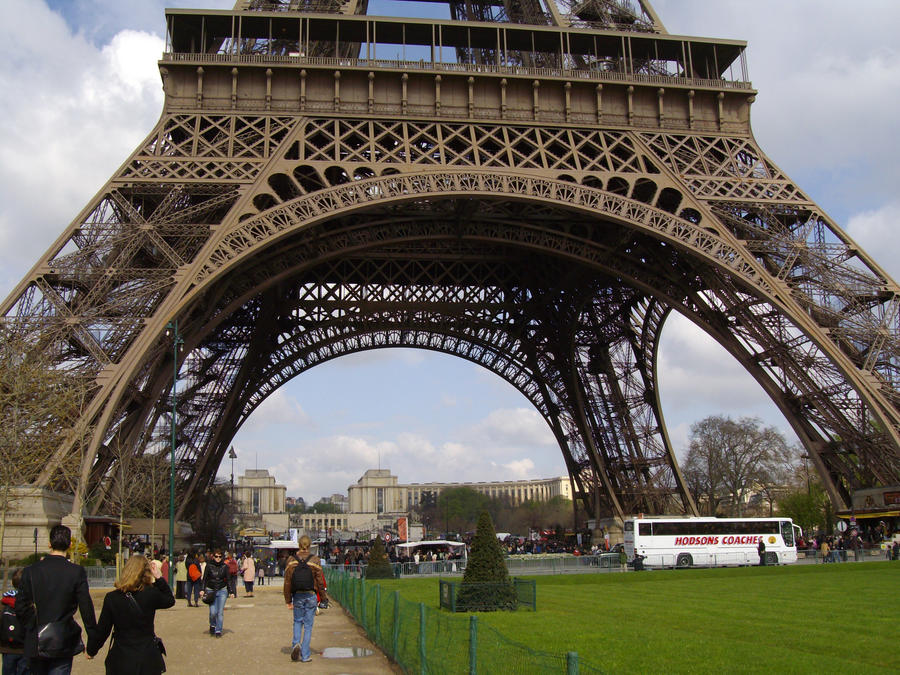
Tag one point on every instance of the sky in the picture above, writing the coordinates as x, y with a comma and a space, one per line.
82, 89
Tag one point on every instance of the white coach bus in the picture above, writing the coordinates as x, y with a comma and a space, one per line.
686, 542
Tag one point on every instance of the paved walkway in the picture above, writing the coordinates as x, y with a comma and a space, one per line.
256, 639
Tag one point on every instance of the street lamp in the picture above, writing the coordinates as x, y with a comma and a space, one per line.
177, 345
232, 455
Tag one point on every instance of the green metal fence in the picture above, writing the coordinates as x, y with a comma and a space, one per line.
427, 641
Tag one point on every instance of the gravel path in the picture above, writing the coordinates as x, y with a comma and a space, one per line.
256, 639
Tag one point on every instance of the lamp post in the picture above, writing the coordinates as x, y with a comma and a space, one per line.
232, 455
177, 343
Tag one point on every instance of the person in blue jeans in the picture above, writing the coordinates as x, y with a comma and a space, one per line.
304, 588
216, 579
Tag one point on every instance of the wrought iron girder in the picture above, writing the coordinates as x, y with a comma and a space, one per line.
702, 222
666, 272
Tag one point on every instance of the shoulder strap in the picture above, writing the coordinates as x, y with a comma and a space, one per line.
134, 602
37, 619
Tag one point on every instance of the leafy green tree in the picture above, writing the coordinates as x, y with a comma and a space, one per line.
379, 566
458, 508
809, 508
486, 585
324, 507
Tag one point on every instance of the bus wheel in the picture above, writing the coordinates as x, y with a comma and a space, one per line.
684, 560
771, 559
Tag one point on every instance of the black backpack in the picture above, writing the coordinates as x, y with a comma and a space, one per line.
302, 578
13, 633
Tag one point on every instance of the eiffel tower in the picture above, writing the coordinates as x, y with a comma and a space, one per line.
530, 186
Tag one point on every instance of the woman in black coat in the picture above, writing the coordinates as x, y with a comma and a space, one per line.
128, 612
216, 582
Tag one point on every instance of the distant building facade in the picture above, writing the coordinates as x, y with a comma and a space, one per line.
378, 492
378, 498
342, 502
261, 501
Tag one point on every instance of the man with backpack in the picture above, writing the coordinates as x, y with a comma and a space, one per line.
303, 582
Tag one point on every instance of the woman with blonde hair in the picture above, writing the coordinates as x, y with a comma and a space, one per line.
128, 612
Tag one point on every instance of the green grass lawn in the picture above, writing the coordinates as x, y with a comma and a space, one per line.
788, 619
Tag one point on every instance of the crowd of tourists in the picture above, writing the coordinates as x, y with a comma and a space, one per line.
854, 544
40, 635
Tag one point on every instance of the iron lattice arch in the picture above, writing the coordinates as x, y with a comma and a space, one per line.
537, 213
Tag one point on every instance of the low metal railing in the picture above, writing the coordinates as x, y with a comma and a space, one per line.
399, 64
524, 564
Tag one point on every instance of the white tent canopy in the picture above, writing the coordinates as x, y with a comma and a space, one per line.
433, 542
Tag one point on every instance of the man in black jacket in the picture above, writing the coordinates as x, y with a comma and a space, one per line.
50, 591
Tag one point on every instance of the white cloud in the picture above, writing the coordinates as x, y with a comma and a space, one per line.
827, 83
876, 232
72, 114
279, 408
698, 378
520, 469
515, 427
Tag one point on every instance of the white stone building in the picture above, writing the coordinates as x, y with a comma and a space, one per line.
260, 499
379, 492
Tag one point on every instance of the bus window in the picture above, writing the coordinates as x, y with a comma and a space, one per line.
644, 529
787, 533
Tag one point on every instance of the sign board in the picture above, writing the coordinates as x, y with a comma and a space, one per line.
841, 526
107, 542
387, 536
402, 531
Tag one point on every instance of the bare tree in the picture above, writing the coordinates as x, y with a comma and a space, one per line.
124, 492
703, 467
151, 483
779, 473
40, 409
729, 458
214, 514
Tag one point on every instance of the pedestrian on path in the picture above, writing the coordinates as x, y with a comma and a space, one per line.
129, 611
192, 586
303, 582
248, 569
50, 592
260, 572
233, 571
216, 580
180, 576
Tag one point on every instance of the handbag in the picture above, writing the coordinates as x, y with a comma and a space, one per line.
209, 596
57, 639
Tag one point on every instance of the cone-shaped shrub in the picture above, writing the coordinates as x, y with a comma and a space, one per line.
486, 585
379, 567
